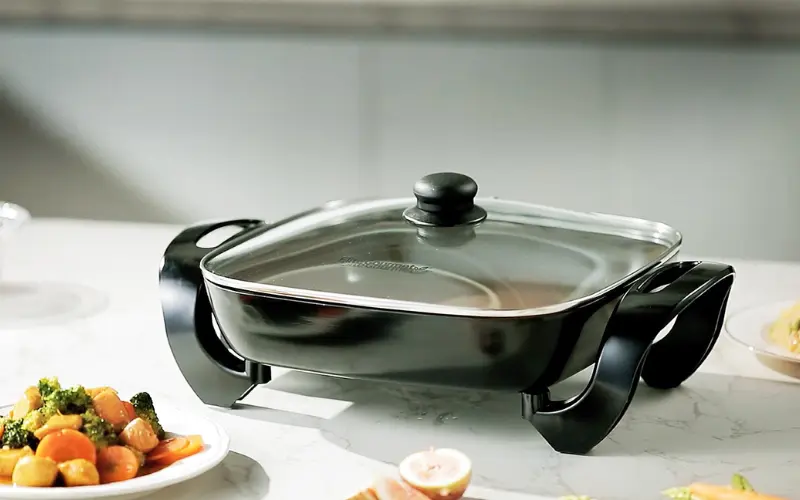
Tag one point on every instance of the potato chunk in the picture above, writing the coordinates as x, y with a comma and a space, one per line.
35, 471
9, 459
79, 472
58, 422
139, 435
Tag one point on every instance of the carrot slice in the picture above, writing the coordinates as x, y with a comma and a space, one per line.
167, 447
714, 492
116, 463
67, 444
194, 446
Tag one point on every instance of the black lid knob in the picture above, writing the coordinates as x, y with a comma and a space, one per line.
445, 199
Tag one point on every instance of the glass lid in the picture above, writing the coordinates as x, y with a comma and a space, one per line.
444, 253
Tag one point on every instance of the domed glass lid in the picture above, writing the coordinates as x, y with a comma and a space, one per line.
443, 253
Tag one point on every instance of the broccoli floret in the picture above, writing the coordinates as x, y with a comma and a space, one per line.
143, 404
48, 409
72, 401
98, 430
48, 385
15, 436
34, 420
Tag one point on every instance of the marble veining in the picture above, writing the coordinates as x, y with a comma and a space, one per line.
309, 436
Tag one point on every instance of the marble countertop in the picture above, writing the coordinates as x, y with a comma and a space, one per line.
79, 300
717, 19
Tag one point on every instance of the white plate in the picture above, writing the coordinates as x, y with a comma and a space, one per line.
175, 421
749, 327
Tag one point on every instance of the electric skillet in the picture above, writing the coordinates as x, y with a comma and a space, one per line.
449, 291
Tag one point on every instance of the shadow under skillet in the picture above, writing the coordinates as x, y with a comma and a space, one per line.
30, 305
714, 424
238, 476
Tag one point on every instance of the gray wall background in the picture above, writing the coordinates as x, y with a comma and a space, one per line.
176, 127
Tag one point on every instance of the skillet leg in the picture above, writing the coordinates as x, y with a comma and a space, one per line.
695, 295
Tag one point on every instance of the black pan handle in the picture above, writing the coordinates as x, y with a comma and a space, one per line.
695, 295
217, 375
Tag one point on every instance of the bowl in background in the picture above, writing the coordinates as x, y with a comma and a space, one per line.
11, 218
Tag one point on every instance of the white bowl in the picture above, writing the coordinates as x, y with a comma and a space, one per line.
750, 328
175, 421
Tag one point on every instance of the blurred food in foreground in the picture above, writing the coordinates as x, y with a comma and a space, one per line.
445, 474
434, 474
739, 489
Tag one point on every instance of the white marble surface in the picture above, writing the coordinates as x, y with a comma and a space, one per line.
97, 320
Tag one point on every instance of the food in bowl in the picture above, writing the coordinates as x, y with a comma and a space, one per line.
77, 436
785, 330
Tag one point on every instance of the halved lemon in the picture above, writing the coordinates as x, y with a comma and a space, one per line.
440, 474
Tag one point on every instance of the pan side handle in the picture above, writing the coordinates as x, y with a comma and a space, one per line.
215, 373
695, 296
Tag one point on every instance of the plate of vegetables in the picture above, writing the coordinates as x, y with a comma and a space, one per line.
76, 442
